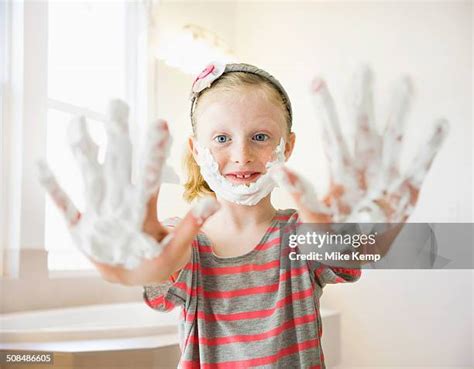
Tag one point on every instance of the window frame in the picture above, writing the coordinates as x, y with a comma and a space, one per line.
23, 140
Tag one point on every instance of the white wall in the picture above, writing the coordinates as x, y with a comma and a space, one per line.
397, 318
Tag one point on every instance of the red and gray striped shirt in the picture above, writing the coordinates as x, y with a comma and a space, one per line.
247, 311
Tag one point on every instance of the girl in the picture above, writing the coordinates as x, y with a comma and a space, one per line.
222, 265
240, 308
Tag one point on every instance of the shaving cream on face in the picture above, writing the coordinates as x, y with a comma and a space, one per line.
241, 194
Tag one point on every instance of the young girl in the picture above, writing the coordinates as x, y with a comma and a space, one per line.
240, 308
244, 303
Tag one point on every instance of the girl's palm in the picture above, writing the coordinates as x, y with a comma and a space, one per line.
366, 184
119, 225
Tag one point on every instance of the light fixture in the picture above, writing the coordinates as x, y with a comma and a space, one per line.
192, 49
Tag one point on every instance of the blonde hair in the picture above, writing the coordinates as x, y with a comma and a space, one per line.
195, 185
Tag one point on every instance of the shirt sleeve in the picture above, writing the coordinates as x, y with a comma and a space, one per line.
176, 290
323, 274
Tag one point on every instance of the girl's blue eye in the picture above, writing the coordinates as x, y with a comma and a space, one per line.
261, 137
221, 138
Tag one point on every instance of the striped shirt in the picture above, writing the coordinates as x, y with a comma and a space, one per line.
247, 311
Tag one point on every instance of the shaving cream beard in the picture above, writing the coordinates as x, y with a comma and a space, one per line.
241, 194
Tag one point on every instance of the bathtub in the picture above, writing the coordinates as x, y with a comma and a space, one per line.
120, 335
126, 335
90, 322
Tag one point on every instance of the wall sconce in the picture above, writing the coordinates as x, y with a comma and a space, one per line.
192, 49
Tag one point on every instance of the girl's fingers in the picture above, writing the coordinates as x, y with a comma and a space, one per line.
153, 159
118, 157
340, 161
426, 154
85, 151
187, 229
367, 145
407, 203
395, 129
414, 193
406, 190
59, 197
311, 209
334, 145
151, 225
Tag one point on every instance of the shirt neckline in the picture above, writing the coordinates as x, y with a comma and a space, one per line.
250, 253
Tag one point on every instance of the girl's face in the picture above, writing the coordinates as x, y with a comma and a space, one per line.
241, 128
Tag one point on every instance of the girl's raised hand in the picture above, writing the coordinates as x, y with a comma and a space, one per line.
366, 185
119, 225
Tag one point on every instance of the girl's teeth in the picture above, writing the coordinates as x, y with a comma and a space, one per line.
243, 176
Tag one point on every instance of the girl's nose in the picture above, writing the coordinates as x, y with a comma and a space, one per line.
242, 153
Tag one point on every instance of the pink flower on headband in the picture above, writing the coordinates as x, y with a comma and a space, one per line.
207, 76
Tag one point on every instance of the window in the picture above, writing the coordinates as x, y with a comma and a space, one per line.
87, 65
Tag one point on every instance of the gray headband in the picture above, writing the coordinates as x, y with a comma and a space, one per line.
213, 71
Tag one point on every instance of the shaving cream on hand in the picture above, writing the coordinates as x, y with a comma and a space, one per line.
110, 228
371, 174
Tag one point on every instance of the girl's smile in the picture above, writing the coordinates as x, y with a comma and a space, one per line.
242, 177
